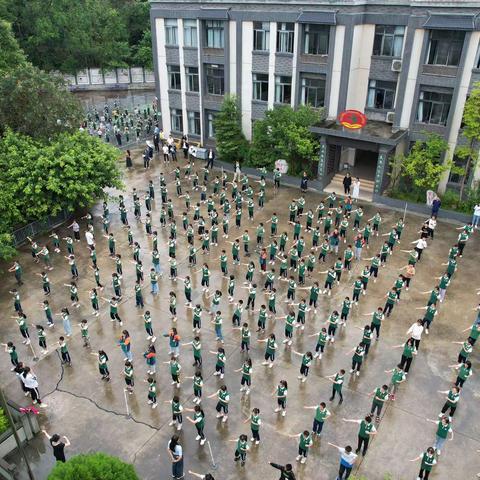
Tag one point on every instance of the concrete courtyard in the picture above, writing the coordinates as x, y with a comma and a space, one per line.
92, 413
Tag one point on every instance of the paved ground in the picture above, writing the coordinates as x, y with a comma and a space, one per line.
93, 413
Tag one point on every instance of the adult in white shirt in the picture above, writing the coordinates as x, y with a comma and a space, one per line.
30, 382
476, 215
166, 158
237, 172
420, 246
175, 452
415, 332
431, 223
356, 189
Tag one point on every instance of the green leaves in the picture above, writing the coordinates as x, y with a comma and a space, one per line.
95, 466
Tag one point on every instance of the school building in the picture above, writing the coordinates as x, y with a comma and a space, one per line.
408, 65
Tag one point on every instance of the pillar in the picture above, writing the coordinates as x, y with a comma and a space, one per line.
322, 161
380, 172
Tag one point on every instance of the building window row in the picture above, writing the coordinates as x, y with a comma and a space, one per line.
215, 79
176, 120
388, 40
433, 107
261, 36
174, 77
445, 47
193, 83
381, 94
214, 34
193, 122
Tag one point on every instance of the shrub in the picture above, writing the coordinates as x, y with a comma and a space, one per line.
95, 466
4, 424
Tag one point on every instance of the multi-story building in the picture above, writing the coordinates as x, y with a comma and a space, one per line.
407, 64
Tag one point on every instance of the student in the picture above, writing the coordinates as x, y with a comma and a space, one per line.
223, 399
128, 376
57, 445
376, 323
286, 472
357, 359
305, 366
443, 429
321, 342
428, 461
451, 401
177, 409
398, 376
407, 354
321, 414
337, 380
465, 371
241, 449
281, 393
269, 350
255, 423
12, 351
380, 396
366, 431
246, 380
305, 443
152, 392
199, 421
347, 460
65, 354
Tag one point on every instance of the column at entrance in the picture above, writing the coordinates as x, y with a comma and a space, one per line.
322, 162
381, 170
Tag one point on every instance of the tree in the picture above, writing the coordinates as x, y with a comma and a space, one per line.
142, 53
471, 131
423, 165
231, 142
95, 466
284, 133
67, 173
69, 36
37, 103
11, 56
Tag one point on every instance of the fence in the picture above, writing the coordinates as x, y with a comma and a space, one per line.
39, 226
118, 78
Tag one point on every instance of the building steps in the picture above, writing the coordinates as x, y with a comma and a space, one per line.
366, 187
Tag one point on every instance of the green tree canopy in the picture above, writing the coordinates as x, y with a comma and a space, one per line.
284, 133
37, 103
231, 142
424, 164
11, 55
95, 466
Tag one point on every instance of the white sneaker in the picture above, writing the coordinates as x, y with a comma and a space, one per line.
172, 423
219, 415
198, 437
225, 418
155, 405
276, 410
358, 373
351, 370
202, 442
298, 458
284, 413
304, 459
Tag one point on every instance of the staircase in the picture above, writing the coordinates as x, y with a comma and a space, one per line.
366, 187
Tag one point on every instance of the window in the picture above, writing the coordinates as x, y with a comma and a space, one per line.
215, 79
192, 79
215, 34
313, 91
210, 125
462, 163
177, 120
388, 40
174, 78
193, 123
433, 107
445, 47
190, 33
171, 32
381, 94
283, 89
260, 86
315, 39
261, 36
285, 32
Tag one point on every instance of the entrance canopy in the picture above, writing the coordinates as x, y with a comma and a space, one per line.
374, 137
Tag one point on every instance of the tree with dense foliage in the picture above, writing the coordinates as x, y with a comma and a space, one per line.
11, 55
66, 36
471, 131
424, 165
284, 133
232, 145
37, 103
94, 466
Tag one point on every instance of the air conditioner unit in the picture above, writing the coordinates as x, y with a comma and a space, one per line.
390, 117
396, 66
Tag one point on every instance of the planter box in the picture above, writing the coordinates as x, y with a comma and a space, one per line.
421, 209
7, 441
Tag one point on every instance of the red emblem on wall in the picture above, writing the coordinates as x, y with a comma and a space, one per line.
352, 119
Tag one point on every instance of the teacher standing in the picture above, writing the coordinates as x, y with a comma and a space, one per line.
175, 451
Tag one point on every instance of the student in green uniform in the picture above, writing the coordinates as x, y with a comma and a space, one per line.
357, 359
465, 351
223, 399
102, 364
307, 358
451, 401
85, 334
270, 350
398, 376
428, 462
199, 421
128, 376
241, 449
321, 414
177, 409
380, 396
464, 372
281, 392
246, 380
42, 339
332, 325
337, 380
331, 276
366, 431
443, 429
12, 351
305, 442
152, 392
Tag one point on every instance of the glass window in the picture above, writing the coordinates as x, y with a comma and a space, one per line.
283, 89
433, 107
214, 34
174, 78
190, 33
191, 74
315, 39
171, 31
215, 79
260, 86
261, 36
193, 123
176, 119
210, 125
388, 40
381, 94
445, 47
285, 33
313, 91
